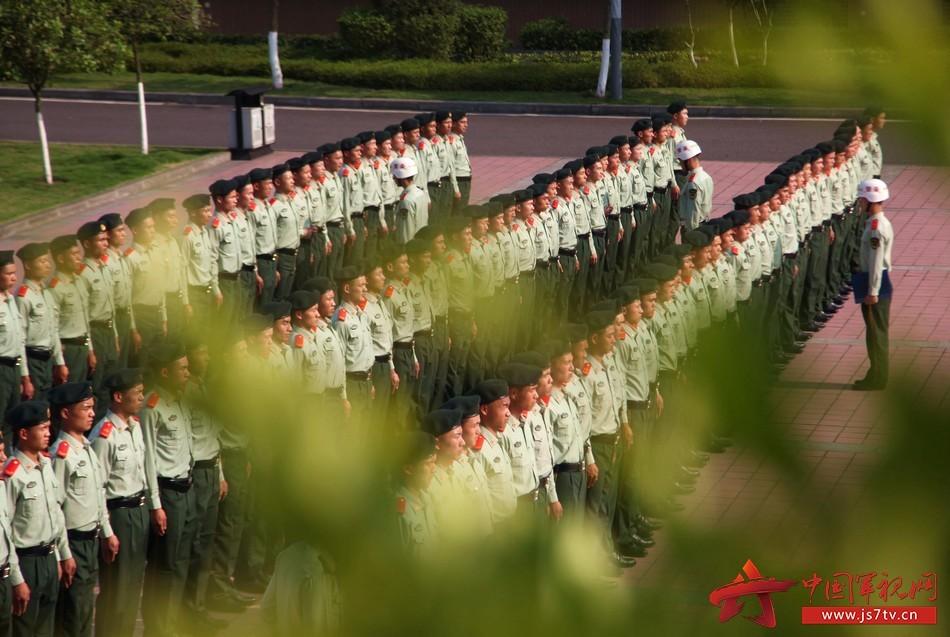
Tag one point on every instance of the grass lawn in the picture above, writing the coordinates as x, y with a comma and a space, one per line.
192, 83
79, 170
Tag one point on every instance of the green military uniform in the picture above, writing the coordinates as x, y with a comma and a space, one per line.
399, 306
39, 534
663, 184
233, 244
350, 177
389, 195
874, 261
569, 442
148, 293
120, 271
13, 367
334, 370
338, 223
40, 315
417, 522
381, 329
462, 168
166, 424
73, 324
434, 281
308, 204
460, 282
81, 479
288, 228
518, 444
12, 575
120, 448
496, 464
695, 203
201, 272
412, 212
369, 171
309, 360
264, 224
95, 279
174, 282
355, 335
484, 311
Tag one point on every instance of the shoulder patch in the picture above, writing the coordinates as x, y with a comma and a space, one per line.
63, 449
298, 341
188, 230
106, 429
216, 222
514, 227
272, 200
479, 442
82, 268
342, 315
652, 150
53, 282
390, 290
344, 172
12, 465
873, 224
22, 291
554, 203
152, 400
586, 190
585, 370
128, 252
449, 258
735, 250
422, 145
400, 505
692, 177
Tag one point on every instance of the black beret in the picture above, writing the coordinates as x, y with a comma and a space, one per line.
418, 446
641, 125
348, 273
776, 179
597, 151
661, 272
329, 148
619, 140
312, 157
62, 243
721, 224
839, 145
739, 217
382, 135
543, 178
468, 405
165, 354
425, 118
28, 414
811, 153
279, 170
590, 160
349, 143
441, 116
318, 285
627, 294
534, 359
675, 107
124, 379
611, 149
478, 212
606, 305
196, 202
520, 374
90, 229
456, 224
6, 257
504, 199
708, 229
491, 389
645, 285
824, 148
660, 120
415, 247
31, 251
409, 124
575, 332
111, 220
599, 320
391, 252
441, 421
255, 322
745, 201
240, 181
366, 136
161, 204
277, 309
459, 114
563, 173
392, 129
222, 187
429, 232
304, 299
538, 190
767, 191
679, 252
69, 393
520, 196
697, 239
668, 259
296, 163
575, 165
260, 174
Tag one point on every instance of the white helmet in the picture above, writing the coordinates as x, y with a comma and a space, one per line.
404, 167
687, 150
874, 190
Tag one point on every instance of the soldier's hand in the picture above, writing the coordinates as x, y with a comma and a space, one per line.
164, 328
394, 379
416, 369
118, 347
593, 258
67, 572
136, 341
160, 521
659, 404
110, 548
592, 473
831, 235
223, 490
347, 409
260, 283
329, 248
277, 276
26, 388
870, 300
21, 598
676, 192
189, 311
577, 264
365, 232
458, 195
555, 510
627, 433
92, 361
60, 374
620, 235
218, 299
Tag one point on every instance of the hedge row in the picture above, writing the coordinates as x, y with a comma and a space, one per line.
515, 74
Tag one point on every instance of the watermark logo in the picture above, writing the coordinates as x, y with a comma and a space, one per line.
748, 583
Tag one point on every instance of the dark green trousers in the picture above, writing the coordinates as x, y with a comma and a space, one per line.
440, 340
602, 496
148, 323
120, 582
359, 392
611, 256
331, 264
303, 270
267, 270
661, 221
77, 361
357, 249
6, 608
75, 606
428, 373
383, 384
123, 327
402, 401
571, 491
465, 188
460, 333
578, 296
169, 556
175, 311
287, 267
9, 397
207, 490
877, 320
107, 361
232, 519
626, 244
595, 277
633, 471
40, 574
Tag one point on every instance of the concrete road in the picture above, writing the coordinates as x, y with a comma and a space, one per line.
301, 129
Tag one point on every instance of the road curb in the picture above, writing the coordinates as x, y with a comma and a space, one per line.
104, 199
503, 108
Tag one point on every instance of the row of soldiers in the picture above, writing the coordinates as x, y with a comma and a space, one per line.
429, 318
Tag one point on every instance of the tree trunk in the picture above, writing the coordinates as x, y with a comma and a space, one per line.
604, 68
691, 45
272, 54
732, 39
143, 120
765, 47
44, 143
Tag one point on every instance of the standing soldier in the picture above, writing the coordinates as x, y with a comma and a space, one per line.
369, 171
287, 228
12, 579
148, 291
461, 163
339, 225
33, 501
410, 148
39, 314
334, 372
495, 462
695, 205
388, 192
201, 264
226, 246
426, 358
166, 425
416, 518
72, 303
569, 264
460, 282
264, 224
872, 283
174, 283
679, 116
384, 376
307, 217
427, 156
878, 118
118, 443
250, 279
412, 209
95, 278
120, 271
398, 304
434, 281
665, 191
445, 151
592, 199
14, 375
352, 326
316, 195
484, 283
81, 481
354, 201
568, 438
308, 358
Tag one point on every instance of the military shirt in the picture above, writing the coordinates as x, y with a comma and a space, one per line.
568, 436
204, 427
460, 281
352, 186
873, 146
120, 447
877, 241
497, 258
388, 190
71, 300
302, 204
40, 315
509, 253
334, 371
166, 425
460, 160
34, 504
470, 476
172, 266
81, 481
412, 212
95, 279
592, 196
381, 325
563, 212
147, 273
303, 596
663, 329
352, 325
443, 152
418, 294
578, 393
696, 203
434, 279
662, 165
700, 293
549, 223
647, 169
397, 300
539, 237
264, 224
8, 554
742, 266
309, 359
497, 465
369, 177
648, 346
417, 522
727, 276
120, 271
425, 152
316, 206
287, 226
201, 264
608, 408
524, 246
638, 183
632, 360
12, 343
483, 281
623, 186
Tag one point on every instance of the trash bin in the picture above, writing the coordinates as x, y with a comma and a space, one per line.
252, 129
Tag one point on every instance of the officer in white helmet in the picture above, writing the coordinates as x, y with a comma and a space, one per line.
412, 209
872, 283
696, 200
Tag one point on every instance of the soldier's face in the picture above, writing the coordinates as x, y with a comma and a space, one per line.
879, 120
3, 453
565, 188
310, 317
633, 312
636, 153
715, 248
354, 155
281, 330
40, 267
145, 233
460, 125
246, 196
665, 291
438, 245
202, 217
495, 414
480, 228
624, 153
725, 240
526, 208
451, 444
130, 401
71, 259
741, 233
386, 148
681, 118
7, 277
198, 360
400, 139
648, 304
545, 383
327, 304
355, 290
35, 438
260, 341
470, 430
176, 375
303, 177
370, 148
263, 189
465, 239
79, 417
496, 223
376, 280
580, 179
333, 161
550, 193
318, 170
613, 162
579, 353
97, 246
660, 136
562, 368
445, 126
284, 182
430, 130
523, 399
646, 136
119, 235
426, 469
595, 172
401, 267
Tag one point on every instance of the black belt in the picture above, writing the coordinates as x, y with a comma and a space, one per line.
371, 209
427, 332
660, 190
552, 261
106, 324
542, 264
75, 534
463, 179
640, 206
356, 215
202, 289
611, 438
267, 257
599, 233
385, 358
568, 252
639, 405
583, 236
75, 340
37, 551
434, 184
210, 463
359, 375
292, 252
8, 361
757, 283
335, 224
181, 485
248, 268
128, 502
569, 467
398, 345
615, 216
4, 571
231, 276
626, 209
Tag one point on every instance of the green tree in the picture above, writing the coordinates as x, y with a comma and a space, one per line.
144, 20
42, 38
